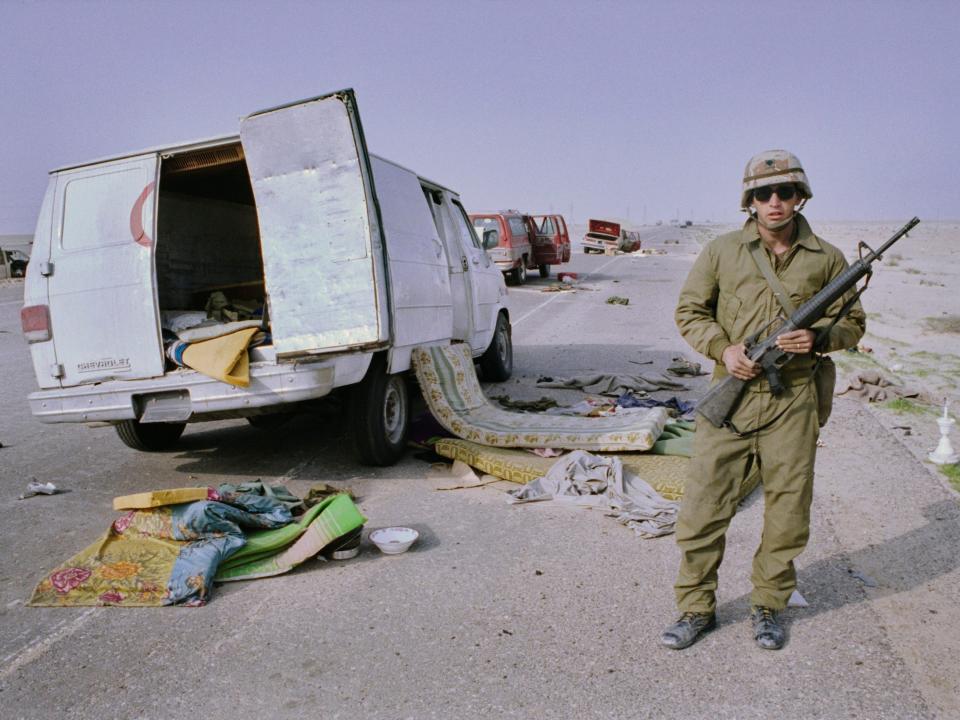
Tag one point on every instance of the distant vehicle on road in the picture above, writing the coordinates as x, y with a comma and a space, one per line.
552, 242
17, 262
517, 242
603, 235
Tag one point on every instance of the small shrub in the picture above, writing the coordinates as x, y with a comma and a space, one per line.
952, 473
944, 324
905, 406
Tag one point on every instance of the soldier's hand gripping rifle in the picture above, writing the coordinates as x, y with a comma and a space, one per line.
718, 404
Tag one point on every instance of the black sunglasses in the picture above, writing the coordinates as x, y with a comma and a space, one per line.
784, 192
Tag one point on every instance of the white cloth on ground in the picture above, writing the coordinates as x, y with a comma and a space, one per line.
582, 478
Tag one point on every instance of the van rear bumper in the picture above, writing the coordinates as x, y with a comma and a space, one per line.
184, 394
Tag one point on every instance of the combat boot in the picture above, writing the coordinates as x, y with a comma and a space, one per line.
767, 630
685, 631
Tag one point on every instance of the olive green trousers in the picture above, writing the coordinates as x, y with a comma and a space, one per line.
783, 454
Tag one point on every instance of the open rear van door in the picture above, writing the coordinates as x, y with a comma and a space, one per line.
320, 231
102, 291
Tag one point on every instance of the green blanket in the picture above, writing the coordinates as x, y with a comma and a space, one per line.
273, 552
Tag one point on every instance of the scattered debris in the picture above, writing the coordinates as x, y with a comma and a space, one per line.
568, 277
611, 384
544, 403
588, 480
617, 300
797, 600
681, 366
641, 362
321, 491
874, 386
862, 577
460, 471
558, 287
38, 488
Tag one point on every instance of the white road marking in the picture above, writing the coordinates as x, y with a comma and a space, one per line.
41, 646
12, 302
554, 296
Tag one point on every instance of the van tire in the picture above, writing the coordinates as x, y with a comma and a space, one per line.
519, 273
149, 437
496, 363
544, 271
380, 416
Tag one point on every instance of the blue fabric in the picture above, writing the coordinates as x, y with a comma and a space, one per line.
682, 407
214, 531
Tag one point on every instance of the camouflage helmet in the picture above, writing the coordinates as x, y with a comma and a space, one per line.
773, 167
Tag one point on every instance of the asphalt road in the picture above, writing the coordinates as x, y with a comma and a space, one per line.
498, 611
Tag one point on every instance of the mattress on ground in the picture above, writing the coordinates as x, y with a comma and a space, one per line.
665, 473
449, 384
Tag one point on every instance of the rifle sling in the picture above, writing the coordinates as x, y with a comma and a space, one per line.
763, 264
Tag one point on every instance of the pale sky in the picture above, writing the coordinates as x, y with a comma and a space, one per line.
646, 110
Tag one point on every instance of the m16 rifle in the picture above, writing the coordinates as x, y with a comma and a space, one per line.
718, 404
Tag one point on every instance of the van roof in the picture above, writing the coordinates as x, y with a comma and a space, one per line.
161, 149
174, 148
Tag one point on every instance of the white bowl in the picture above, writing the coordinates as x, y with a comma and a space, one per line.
394, 540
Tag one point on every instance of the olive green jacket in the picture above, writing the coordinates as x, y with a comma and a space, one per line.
726, 298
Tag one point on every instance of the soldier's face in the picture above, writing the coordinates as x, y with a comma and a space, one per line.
776, 208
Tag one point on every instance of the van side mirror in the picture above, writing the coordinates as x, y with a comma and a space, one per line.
491, 238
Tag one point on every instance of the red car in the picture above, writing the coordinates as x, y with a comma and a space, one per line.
520, 242
552, 241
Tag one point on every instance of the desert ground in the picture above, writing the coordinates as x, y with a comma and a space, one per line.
520, 611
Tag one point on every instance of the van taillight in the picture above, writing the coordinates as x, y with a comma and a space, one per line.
35, 321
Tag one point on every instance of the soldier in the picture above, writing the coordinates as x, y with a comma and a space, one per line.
726, 298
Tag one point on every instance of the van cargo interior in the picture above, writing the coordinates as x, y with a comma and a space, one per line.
207, 234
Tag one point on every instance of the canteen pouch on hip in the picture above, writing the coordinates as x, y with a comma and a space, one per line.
825, 379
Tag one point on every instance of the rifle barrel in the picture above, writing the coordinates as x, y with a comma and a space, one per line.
896, 236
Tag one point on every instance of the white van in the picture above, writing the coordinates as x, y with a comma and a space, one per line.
355, 259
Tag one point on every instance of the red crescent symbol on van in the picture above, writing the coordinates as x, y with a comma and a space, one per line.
136, 218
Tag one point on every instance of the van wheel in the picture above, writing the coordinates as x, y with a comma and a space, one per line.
544, 271
519, 273
380, 416
149, 437
496, 363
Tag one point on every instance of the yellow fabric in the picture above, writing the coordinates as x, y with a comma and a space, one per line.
665, 473
129, 569
224, 358
157, 498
